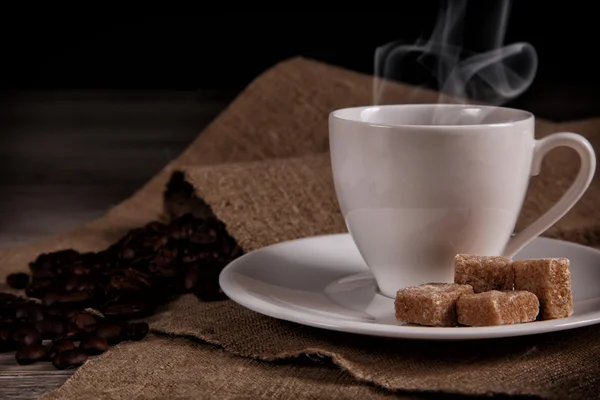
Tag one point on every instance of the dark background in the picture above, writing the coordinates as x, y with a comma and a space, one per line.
227, 50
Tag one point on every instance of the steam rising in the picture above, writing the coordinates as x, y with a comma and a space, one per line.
495, 76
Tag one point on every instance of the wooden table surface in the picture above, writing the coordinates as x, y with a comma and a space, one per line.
67, 157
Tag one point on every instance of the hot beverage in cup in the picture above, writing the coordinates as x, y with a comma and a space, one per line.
418, 184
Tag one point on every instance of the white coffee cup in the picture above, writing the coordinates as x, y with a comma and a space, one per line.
418, 184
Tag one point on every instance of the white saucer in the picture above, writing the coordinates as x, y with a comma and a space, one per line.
323, 282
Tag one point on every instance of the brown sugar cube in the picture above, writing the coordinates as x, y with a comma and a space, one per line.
550, 280
431, 304
484, 273
496, 307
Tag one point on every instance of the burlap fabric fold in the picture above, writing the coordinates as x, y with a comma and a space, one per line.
253, 165
269, 202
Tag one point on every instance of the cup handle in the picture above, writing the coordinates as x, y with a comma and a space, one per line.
569, 198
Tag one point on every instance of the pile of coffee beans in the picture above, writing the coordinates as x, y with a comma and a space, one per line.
84, 302
63, 336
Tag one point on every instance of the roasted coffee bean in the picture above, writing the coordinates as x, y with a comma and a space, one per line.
145, 268
9, 298
69, 359
162, 271
51, 298
27, 336
210, 292
136, 330
139, 276
86, 286
38, 288
59, 312
50, 327
80, 299
79, 270
6, 332
29, 313
84, 321
191, 279
93, 345
30, 354
8, 312
17, 281
71, 332
52, 260
44, 275
122, 283
69, 312
72, 284
55, 312
6, 341
128, 253
61, 345
128, 311
204, 237
235, 252
112, 333
160, 242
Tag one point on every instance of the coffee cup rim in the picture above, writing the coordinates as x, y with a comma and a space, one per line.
522, 116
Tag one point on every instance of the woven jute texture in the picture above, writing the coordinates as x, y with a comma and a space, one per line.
263, 167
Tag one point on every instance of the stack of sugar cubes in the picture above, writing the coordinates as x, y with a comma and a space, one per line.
490, 290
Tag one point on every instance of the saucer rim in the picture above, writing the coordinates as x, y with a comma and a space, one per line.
243, 298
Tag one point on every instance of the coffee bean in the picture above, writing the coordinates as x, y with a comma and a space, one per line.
78, 299
9, 298
86, 286
69, 312
44, 275
30, 354
55, 312
50, 328
61, 345
71, 284
6, 332
128, 253
69, 359
6, 341
51, 298
79, 270
139, 276
29, 313
84, 321
51, 260
93, 345
136, 330
71, 331
147, 267
17, 281
38, 288
191, 279
8, 313
112, 333
27, 336
122, 283
128, 311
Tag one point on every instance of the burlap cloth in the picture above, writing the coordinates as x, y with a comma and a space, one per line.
263, 167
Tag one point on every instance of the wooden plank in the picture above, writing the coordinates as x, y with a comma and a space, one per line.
28, 381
